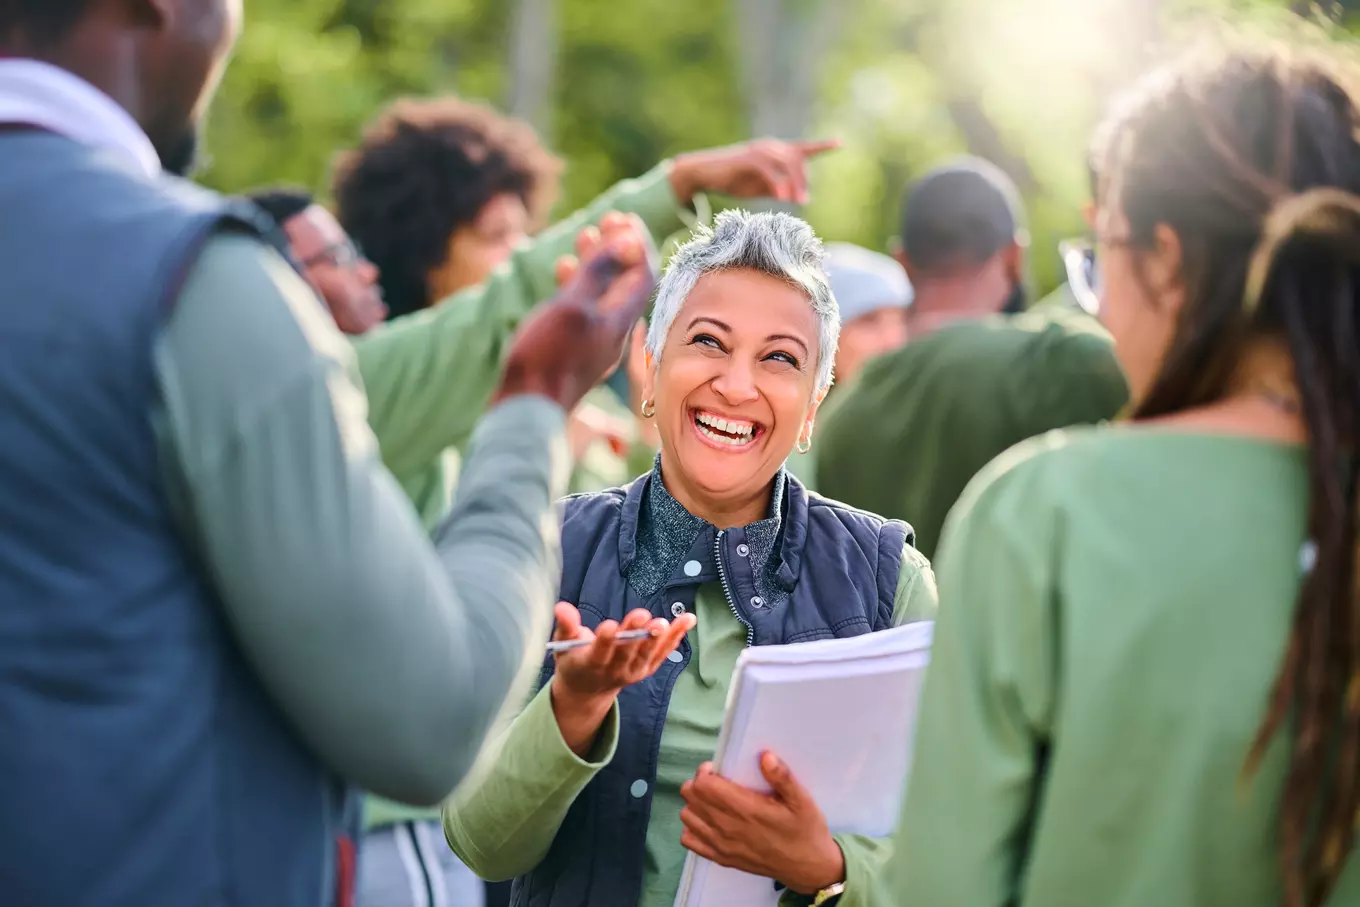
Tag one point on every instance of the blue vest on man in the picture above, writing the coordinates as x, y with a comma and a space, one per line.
142, 763
839, 567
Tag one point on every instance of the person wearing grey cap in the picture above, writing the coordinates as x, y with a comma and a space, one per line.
963, 244
873, 294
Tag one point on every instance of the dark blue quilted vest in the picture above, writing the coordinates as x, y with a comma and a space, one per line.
835, 575
142, 763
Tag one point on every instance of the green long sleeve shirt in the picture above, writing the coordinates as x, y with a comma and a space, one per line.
504, 818
1115, 606
429, 375
391, 658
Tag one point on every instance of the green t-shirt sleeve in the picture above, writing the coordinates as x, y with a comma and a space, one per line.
390, 659
503, 819
428, 375
917, 595
988, 700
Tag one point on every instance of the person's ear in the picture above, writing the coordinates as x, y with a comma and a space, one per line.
1088, 214
1163, 268
1013, 259
805, 434
647, 392
899, 255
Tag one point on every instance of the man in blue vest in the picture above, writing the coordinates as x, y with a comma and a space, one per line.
219, 611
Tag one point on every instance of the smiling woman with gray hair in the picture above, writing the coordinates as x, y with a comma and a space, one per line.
598, 788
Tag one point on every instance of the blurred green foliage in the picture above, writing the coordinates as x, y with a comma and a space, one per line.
903, 82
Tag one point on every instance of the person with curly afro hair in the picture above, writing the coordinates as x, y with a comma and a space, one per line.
439, 192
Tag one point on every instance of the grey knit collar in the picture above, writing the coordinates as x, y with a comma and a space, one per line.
667, 531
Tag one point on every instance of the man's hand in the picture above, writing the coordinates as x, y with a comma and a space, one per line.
569, 344
782, 835
765, 168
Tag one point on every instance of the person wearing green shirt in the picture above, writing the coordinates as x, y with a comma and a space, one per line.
719, 535
973, 378
260, 616
1143, 688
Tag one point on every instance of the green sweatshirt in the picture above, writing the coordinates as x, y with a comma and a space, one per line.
428, 376
1116, 602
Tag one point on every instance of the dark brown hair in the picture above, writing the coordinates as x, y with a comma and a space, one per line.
1251, 158
425, 168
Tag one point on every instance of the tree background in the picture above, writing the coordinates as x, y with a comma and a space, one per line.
616, 85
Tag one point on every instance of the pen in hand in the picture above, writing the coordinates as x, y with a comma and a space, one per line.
564, 645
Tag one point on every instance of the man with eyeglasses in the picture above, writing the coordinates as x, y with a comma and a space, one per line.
326, 255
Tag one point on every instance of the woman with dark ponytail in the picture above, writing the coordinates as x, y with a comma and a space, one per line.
1146, 684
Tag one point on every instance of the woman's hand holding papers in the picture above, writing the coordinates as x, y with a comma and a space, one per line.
781, 835
588, 679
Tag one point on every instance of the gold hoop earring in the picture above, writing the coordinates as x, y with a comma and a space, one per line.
648, 409
803, 446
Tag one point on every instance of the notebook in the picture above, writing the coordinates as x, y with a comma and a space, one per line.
841, 714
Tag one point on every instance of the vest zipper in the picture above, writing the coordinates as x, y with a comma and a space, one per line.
727, 590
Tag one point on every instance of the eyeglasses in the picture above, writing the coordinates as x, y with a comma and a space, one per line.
344, 254
1083, 273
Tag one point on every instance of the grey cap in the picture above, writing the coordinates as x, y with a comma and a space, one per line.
864, 281
960, 214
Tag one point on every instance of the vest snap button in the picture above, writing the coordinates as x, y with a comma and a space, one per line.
692, 568
757, 601
743, 550
677, 608
675, 656
638, 789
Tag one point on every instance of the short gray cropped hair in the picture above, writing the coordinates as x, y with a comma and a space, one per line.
776, 244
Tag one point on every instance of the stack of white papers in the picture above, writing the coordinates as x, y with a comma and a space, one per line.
841, 714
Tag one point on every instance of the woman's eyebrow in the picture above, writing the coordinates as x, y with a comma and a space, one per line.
789, 337
712, 321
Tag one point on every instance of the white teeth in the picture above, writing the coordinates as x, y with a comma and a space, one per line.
723, 439
745, 429
710, 426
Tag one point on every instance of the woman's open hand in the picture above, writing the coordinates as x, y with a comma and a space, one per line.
781, 835
588, 679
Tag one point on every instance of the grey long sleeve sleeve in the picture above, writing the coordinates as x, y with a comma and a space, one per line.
391, 659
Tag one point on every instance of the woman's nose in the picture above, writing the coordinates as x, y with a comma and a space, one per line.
736, 383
